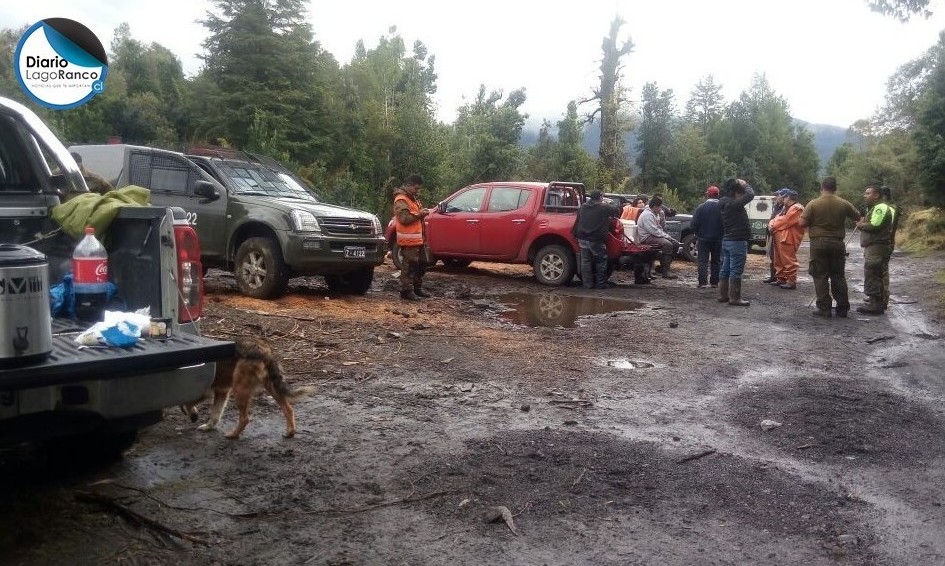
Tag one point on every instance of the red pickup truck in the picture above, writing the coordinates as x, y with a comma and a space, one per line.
514, 222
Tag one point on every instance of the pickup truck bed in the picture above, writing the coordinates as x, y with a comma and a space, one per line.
67, 358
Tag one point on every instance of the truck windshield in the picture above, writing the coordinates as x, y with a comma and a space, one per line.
249, 178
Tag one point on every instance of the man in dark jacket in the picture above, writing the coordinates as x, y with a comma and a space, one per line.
736, 233
706, 224
590, 229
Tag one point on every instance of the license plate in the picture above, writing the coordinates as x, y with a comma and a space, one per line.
356, 252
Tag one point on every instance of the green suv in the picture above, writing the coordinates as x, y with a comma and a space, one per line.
253, 217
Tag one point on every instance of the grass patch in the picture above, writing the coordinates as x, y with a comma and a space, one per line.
922, 230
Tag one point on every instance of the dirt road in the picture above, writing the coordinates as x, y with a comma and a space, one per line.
503, 422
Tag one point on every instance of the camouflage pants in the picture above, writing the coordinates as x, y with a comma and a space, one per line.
876, 272
414, 266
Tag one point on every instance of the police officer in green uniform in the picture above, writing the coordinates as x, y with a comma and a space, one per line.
825, 219
876, 239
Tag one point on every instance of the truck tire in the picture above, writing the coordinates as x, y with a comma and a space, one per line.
689, 251
456, 262
357, 282
554, 265
260, 270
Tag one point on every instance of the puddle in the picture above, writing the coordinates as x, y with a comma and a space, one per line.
556, 309
628, 364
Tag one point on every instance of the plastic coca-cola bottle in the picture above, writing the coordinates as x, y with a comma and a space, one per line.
90, 277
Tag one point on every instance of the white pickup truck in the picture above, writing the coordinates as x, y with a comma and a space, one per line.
99, 396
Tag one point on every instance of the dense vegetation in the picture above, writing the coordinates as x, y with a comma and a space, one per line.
356, 129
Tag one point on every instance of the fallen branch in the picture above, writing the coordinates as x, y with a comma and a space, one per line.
408, 499
692, 457
879, 339
805, 446
580, 476
135, 517
163, 503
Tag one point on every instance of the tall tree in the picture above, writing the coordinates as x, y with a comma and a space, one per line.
706, 104
655, 137
929, 132
486, 134
263, 61
614, 162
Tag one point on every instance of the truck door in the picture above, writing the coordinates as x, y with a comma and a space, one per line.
457, 230
172, 179
505, 221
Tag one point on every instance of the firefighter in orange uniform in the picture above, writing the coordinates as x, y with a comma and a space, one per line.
408, 219
786, 236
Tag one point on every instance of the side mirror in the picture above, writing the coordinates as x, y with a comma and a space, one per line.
441, 208
206, 190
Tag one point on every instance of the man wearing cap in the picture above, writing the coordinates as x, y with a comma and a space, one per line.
706, 224
825, 219
786, 236
776, 209
590, 229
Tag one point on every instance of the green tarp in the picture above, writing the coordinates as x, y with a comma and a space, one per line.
98, 211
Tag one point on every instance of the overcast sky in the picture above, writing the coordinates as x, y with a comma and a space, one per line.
830, 59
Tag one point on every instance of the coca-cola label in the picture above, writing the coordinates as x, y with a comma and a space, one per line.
91, 270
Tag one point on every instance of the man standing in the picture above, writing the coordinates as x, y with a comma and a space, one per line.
736, 232
876, 239
786, 236
825, 219
707, 225
651, 233
590, 228
408, 218
776, 209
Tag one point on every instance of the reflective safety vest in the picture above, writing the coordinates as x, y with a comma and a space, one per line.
409, 235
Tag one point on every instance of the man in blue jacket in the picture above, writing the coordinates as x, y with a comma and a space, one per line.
706, 224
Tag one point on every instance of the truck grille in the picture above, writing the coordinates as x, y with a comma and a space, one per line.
339, 226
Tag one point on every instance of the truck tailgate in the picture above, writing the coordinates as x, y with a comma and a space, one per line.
67, 360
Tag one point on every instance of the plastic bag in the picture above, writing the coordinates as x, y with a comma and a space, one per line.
119, 329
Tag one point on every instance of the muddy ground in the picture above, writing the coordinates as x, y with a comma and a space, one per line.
621, 426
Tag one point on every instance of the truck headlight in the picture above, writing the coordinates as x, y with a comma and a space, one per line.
378, 229
304, 221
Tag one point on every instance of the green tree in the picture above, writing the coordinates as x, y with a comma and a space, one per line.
929, 134
706, 104
655, 135
261, 56
486, 133
572, 162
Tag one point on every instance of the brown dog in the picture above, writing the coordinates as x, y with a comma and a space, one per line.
254, 366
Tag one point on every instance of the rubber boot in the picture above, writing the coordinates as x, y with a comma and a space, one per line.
408, 295
872, 307
723, 291
735, 294
418, 291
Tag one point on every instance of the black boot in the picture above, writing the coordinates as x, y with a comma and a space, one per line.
723, 291
420, 292
735, 294
408, 295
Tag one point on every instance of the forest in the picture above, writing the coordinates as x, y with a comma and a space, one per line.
356, 129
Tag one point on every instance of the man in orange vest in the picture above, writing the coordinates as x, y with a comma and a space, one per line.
408, 219
786, 236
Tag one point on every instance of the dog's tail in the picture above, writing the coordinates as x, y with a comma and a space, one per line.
279, 384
